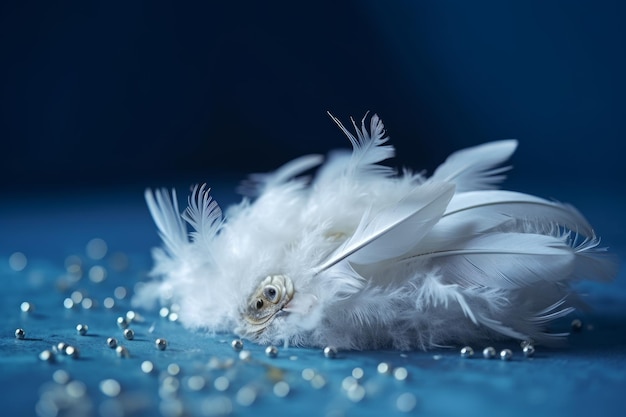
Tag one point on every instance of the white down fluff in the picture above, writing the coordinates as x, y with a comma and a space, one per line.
377, 259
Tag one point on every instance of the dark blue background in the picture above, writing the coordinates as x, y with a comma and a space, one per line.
115, 93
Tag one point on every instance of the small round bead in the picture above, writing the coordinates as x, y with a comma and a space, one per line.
245, 355
47, 356
27, 307
384, 368
271, 351
20, 334
467, 352
122, 352
506, 354
330, 352
72, 351
577, 325
122, 323
112, 342
161, 344
237, 344
489, 352
529, 351
60, 347
129, 334
81, 329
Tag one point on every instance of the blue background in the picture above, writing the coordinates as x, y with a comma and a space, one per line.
99, 100
108, 93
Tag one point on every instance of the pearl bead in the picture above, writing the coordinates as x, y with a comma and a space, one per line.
122, 352
122, 323
237, 344
129, 334
506, 354
467, 352
489, 352
271, 351
81, 329
112, 342
330, 352
161, 344
20, 334
529, 351
72, 351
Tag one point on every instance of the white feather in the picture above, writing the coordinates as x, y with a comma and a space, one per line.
377, 259
476, 168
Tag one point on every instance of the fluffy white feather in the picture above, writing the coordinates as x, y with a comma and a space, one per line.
361, 257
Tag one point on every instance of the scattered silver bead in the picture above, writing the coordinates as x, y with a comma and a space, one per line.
400, 373
529, 351
112, 342
245, 355
122, 323
110, 387
72, 351
61, 377
281, 389
525, 343
161, 344
47, 356
357, 373
20, 334
489, 352
129, 334
237, 344
577, 325
467, 352
122, 352
27, 307
60, 347
406, 402
108, 303
330, 352
81, 329
68, 303
506, 354
147, 367
383, 368
271, 351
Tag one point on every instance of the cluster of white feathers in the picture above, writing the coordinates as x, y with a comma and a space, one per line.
378, 259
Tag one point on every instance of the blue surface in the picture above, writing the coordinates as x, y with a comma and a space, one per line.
586, 377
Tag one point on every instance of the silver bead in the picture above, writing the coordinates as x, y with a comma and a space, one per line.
237, 344
81, 329
506, 354
384, 368
271, 351
20, 334
467, 352
122, 323
577, 325
60, 347
330, 352
122, 352
47, 356
525, 343
161, 344
112, 342
72, 351
129, 334
27, 307
489, 352
529, 351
